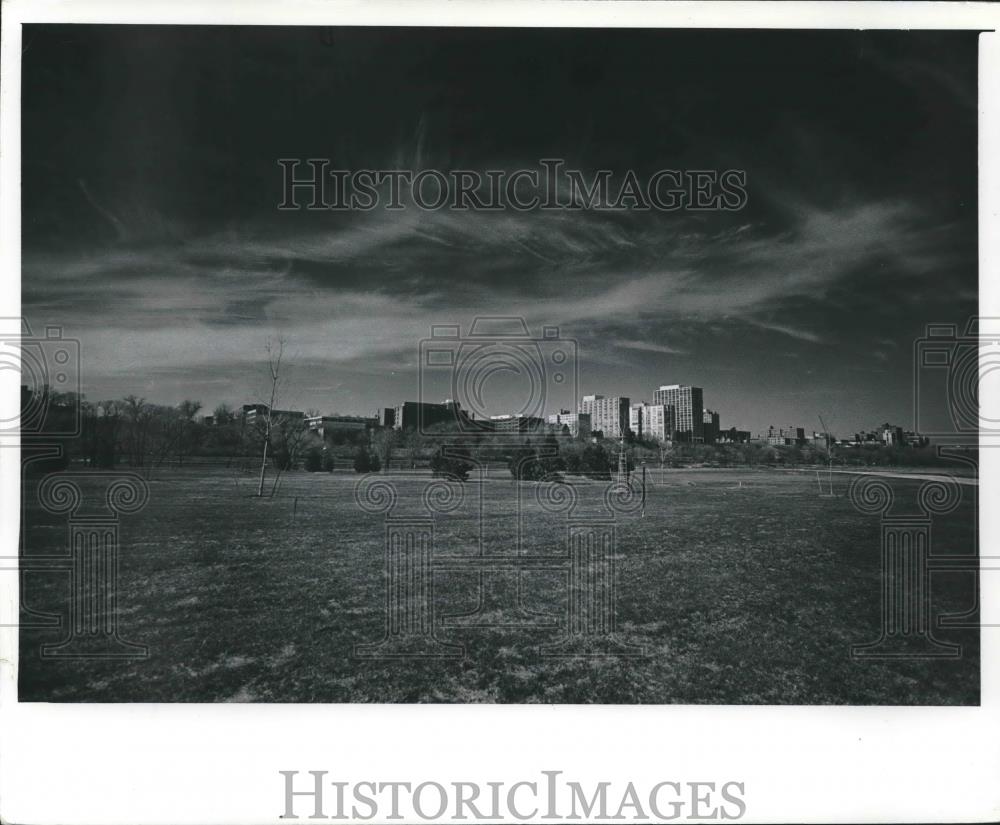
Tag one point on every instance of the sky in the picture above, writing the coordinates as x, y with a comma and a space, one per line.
150, 228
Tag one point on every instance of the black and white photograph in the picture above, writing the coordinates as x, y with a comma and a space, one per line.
365, 363
369, 379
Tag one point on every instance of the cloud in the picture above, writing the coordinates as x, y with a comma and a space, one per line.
792, 332
646, 346
364, 289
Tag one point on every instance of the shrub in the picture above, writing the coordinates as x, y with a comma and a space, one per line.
573, 463
526, 464
314, 461
327, 462
595, 462
365, 461
454, 464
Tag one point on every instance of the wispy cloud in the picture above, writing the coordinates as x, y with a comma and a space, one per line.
791, 332
646, 346
366, 288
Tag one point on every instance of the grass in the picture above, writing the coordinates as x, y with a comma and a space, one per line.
738, 594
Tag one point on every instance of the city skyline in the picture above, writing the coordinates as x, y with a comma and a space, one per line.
156, 240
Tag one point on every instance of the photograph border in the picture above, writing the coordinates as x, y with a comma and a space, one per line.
201, 763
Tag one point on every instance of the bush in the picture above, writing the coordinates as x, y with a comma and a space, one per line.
595, 462
573, 463
455, 464
527, 464
314, 461
327, 462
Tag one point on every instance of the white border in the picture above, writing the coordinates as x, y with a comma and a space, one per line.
218, 764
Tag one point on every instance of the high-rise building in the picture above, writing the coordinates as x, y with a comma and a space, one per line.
635, 418
710, 422
652, 421
607, 415
689, 410
658, 421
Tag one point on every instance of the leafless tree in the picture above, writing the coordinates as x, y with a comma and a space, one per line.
138, 416
187, 410
223, 413
289, 434
383, 440
275, 350
665, 450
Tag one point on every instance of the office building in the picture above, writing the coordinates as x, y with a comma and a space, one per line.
891, 435
256, 413
609, 416
513, 423
325, 425
659, 422
784, 437
710, 426
635, 418
689, 410
414, 415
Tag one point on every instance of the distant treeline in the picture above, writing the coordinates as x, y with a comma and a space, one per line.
134, 433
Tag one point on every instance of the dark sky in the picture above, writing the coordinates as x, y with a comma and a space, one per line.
150, 228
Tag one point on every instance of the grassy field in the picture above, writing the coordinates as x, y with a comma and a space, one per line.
741, 586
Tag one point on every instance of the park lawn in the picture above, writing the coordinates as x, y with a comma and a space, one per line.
739, 586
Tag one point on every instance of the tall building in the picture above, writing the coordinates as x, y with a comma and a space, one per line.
635, 418
891, 435
710, 422
689, 410
607, 415
659, 422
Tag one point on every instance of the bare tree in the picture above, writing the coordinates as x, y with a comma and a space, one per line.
138, 417
223, 413
383, 440
665, 450
187, 410
275, 351
290, 434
